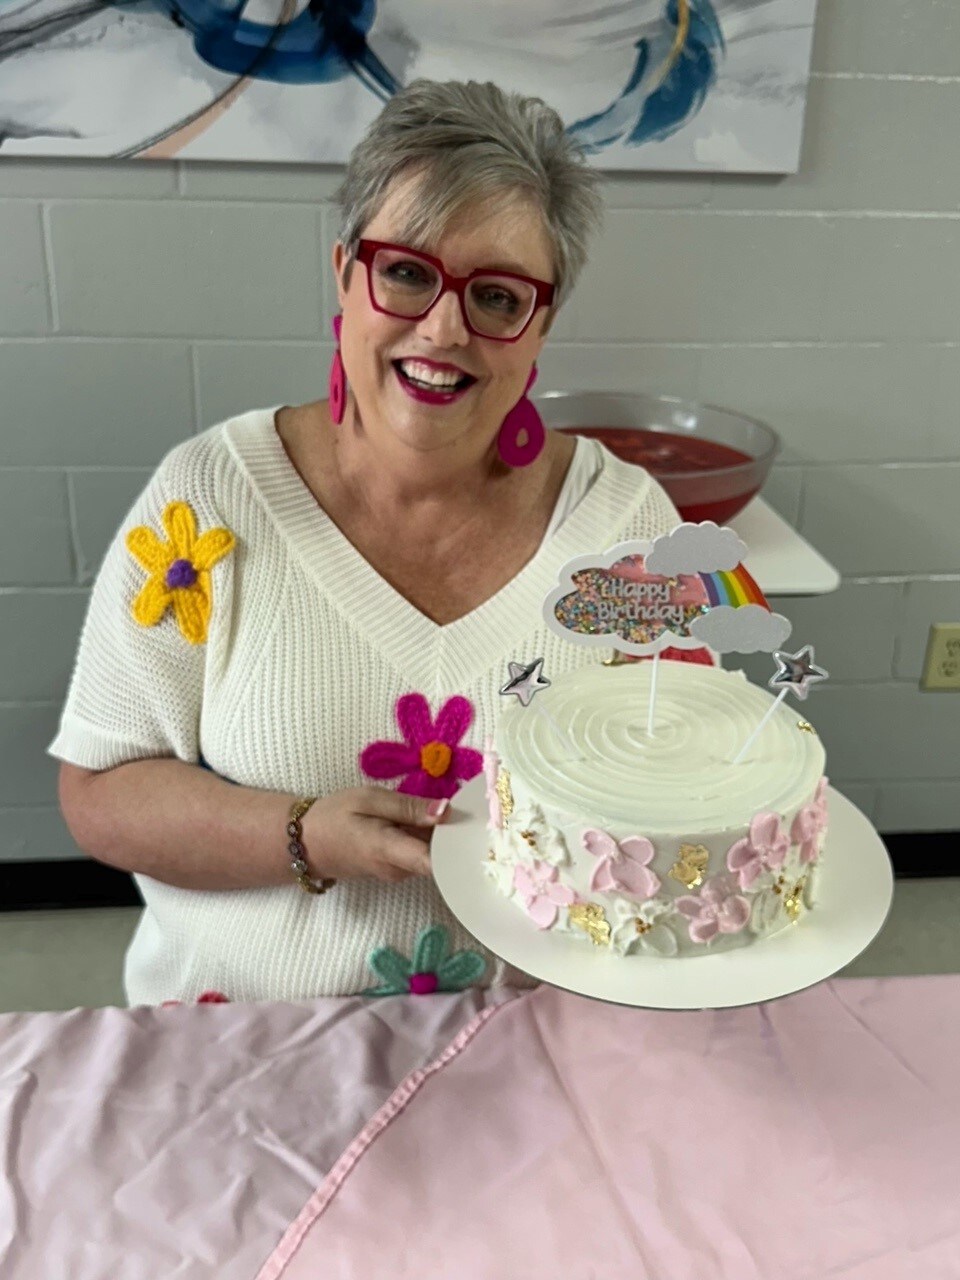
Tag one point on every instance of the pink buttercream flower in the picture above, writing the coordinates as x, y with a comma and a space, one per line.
538, 884
621, 865
718, 908
430, 755
810, 824
764, 849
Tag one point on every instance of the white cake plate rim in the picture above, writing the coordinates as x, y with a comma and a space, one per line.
854, 892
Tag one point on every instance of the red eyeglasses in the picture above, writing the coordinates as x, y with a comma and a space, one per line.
406, 283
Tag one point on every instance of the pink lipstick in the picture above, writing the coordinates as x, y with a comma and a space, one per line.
446, 395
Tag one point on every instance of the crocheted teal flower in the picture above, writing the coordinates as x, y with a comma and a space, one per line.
432, 968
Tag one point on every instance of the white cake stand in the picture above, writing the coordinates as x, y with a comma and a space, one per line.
854, 892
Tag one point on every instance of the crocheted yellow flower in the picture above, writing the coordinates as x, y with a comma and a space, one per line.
179, 570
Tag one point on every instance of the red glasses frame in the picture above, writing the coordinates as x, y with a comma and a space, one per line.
367, 249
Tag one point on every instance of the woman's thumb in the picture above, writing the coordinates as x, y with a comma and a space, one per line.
407, 810
434, 810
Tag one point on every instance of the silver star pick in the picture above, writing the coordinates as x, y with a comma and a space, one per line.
525, 680
797, 672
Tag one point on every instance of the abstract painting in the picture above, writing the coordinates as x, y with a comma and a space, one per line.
696, 85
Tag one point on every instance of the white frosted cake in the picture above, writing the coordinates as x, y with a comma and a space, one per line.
656, 845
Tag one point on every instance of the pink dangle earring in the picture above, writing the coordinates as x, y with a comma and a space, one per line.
337, 386
523, 417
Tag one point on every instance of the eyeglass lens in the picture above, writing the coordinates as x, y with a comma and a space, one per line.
407, 285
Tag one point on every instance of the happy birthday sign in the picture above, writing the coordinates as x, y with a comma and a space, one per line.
626, 602
685, 589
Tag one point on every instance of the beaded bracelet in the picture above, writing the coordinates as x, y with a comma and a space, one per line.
298, 862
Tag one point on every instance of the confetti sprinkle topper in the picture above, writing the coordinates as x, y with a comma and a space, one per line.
527, 680
795, 673
686, 589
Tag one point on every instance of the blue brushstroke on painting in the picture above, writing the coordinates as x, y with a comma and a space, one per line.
638, 115
323, 44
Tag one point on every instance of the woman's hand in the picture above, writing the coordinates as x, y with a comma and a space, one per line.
369, 831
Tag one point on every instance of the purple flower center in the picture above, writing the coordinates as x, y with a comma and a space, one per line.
423, 984
181, 574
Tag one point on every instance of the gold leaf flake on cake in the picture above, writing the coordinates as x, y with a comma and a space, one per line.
530, 838
806, 727
793, 902
690, 865
504, 793
590, 917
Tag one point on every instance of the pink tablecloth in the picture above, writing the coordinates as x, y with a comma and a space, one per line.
809, 1137
178, 1144
542, 1136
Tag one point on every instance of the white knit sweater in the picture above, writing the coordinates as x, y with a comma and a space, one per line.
307, 651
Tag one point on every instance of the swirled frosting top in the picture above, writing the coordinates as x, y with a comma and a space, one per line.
582, 746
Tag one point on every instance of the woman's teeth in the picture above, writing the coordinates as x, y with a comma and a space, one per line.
422, 375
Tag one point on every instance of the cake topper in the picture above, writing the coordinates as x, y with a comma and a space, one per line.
795, 673
526, 679
685, 589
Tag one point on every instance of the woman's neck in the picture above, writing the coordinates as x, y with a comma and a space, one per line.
389, 476
393, 482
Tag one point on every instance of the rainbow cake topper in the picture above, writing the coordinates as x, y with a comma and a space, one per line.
734, 589
685, 589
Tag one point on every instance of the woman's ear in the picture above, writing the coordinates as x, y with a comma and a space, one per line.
341, 269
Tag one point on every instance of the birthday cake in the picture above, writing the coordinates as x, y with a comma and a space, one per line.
656, 843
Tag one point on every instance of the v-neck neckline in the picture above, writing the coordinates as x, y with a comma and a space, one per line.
407, 637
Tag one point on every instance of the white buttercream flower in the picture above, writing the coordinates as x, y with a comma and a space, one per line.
766, 912
639, 926
501, 873
533, 837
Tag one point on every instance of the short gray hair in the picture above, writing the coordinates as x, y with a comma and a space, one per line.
472, 141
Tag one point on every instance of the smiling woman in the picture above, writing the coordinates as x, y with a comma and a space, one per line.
451, 331
295, 644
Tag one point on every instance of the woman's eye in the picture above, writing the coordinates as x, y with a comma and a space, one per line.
407, 273
498, 300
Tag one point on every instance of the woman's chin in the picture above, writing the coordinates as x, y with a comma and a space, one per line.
434, 439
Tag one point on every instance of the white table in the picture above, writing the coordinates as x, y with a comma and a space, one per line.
781, 562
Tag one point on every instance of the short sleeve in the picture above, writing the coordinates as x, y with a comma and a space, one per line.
653, 515
137, 686
661, 512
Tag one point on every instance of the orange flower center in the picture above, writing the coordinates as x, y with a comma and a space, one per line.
435, 759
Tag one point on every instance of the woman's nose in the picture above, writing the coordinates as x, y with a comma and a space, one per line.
444, 324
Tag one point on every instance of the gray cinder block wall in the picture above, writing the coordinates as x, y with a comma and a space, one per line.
142, 301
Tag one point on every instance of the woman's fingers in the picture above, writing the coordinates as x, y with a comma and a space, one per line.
405, 853
370, 831
402, 810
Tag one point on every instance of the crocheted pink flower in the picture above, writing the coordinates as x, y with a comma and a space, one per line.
538, 884
430, 757
764, 849
810, 824
718, 908
206, 997
621, 865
